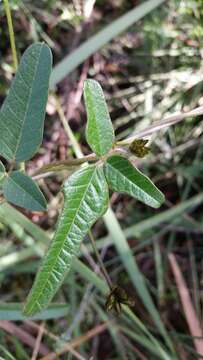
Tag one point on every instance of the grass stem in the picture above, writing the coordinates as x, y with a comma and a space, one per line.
11, 34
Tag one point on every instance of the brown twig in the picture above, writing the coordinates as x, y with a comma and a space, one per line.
38, 341
53, 337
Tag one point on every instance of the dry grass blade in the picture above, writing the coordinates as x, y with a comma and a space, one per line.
79, 340
55, 338
170, 120
22, 335
188, 308
38, 342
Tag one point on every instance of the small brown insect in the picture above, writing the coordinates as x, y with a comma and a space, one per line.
117, 297
138, 148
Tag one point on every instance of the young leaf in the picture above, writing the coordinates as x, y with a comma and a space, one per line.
2, 171
99, 131
122, 176
21, 190
138, 148
85, 200
23, 111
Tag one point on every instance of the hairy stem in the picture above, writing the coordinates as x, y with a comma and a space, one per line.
65, 164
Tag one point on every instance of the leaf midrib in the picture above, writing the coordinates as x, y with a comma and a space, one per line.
97, 127
28, 103
63, 241
108, 164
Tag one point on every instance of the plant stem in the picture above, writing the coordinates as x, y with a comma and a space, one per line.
69, 164
100, 261
11, 34
65, 164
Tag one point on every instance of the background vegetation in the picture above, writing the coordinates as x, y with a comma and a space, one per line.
152, 69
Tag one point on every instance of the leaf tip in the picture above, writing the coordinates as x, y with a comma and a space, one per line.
26, 309
90, 81
92, 85
160, 200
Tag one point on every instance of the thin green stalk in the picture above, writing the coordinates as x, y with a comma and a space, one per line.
68, 130
106, 276
11, 34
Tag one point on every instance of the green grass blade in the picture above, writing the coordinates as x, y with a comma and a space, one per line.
152, 348
16, 257
6, 353
78, 266
9, 214
97, 41
13, 311
134, 273
113, 329
165, 216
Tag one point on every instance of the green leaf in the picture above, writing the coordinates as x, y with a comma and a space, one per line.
85, 200
21, 190
122, 176
2, 171
13, 311
99, 131
23, 111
